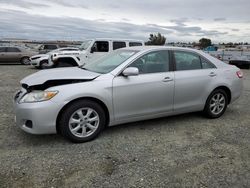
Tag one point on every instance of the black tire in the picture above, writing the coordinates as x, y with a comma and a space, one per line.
44, 64
25, 60
66, 115
208, 111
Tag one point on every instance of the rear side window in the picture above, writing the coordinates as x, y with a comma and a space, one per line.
135, 44
206, 64
101, 46
2, 49
11, 49
117, 45
186, 61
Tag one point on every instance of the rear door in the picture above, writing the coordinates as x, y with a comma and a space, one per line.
149, 93
193, 78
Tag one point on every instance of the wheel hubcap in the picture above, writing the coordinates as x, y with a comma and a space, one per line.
84, 122
217, 103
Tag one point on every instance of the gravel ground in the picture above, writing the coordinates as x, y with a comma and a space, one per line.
182, 151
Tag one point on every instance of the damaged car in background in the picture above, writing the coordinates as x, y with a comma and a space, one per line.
90, 49
127, 85
41, 61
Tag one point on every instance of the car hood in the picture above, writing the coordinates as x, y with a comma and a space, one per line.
59, 75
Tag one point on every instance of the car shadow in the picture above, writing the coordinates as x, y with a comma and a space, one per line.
23, 139
169, 121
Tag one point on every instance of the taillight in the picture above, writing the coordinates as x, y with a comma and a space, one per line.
239, 74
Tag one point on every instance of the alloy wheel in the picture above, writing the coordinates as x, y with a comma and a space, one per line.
217, 103
84, 122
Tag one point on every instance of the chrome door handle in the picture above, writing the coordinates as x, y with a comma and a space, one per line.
167, 79
212, 74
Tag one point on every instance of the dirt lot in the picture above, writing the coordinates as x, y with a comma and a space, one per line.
181, 151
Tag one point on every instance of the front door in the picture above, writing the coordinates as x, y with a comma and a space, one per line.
151, 92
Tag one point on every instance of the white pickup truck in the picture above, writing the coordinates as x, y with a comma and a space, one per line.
89, 49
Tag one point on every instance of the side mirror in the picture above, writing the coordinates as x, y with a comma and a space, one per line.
93, 49
131, 71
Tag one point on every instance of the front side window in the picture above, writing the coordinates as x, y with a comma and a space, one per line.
135, 44
117, 45
186, 61
100, 46
153, 62
109, 62
11, 49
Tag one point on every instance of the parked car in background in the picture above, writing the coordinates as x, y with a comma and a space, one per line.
15, 55
242, 64
40, 61
124, 86
90, 49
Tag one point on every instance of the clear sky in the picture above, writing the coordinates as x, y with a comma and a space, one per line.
178, 20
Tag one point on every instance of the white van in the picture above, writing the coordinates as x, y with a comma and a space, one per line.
89, 49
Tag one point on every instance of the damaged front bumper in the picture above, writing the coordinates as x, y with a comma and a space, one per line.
37, 117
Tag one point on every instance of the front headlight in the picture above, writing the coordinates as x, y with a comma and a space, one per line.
38, 96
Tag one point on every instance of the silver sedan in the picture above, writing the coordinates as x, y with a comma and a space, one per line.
127, 85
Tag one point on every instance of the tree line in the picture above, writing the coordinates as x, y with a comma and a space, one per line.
159, 39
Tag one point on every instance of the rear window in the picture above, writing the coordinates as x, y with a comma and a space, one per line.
117, 45
135, 44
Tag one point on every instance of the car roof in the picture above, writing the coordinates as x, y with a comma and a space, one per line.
143, 49
148, 48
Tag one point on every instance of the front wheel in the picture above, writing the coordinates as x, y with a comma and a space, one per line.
216, 104
44, 64
82, 121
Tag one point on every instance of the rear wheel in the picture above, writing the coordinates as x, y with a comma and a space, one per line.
216, 104
82, 121
25, 60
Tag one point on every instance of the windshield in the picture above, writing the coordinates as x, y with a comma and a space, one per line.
109, 62
85, 45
